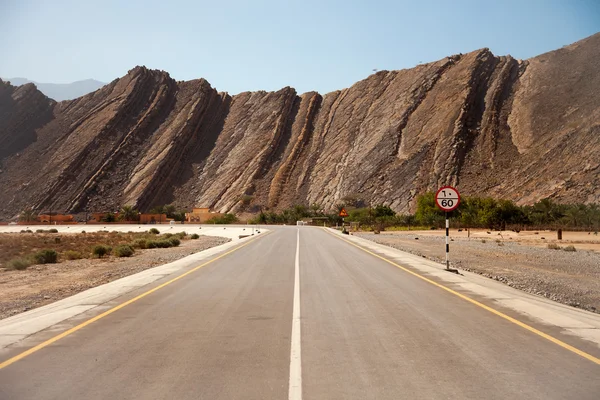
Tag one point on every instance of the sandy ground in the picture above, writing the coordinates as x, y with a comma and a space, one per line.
519, 260
43, 284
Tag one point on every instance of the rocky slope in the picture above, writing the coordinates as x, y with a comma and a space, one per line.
490, 125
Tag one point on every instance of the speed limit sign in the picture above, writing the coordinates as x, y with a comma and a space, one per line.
447, 198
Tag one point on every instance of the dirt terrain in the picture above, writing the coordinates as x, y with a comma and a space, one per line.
43, 284
471, 120
521, 260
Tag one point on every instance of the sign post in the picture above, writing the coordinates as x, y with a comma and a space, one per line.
343, 214
447, 199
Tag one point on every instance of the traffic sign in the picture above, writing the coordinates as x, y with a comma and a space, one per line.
447, 198
343, 213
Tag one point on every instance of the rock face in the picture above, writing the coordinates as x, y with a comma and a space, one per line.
490, 125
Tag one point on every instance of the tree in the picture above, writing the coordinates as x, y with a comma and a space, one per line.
427, 212
128, 213
28, 215
109, 217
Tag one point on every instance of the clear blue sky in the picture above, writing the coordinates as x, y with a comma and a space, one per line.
267, 44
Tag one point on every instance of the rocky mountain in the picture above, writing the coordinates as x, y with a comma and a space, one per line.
491, 125
61, 91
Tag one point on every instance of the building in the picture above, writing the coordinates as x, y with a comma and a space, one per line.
154, 219
200, 215
55, 219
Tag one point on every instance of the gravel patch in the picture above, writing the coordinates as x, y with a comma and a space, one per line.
43, 284
571, 278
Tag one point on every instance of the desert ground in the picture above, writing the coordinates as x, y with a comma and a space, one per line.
521, 260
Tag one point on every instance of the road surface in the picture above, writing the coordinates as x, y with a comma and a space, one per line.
300, 313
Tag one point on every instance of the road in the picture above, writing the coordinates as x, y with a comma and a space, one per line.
299, 313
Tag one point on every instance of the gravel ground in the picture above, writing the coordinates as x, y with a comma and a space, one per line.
571, 278
43, 284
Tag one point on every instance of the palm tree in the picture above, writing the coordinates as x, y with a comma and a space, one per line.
28, 215
128, 213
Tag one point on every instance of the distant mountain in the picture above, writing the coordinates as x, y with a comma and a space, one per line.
62, 91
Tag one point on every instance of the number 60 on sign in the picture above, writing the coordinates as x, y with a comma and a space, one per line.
447, 198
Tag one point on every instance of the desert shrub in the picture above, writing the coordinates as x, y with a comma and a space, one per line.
483, 241
46, 256
72, 255
53, 230
151, 244
140, 244
553, 246
19, 264
163, 244
195, 236
175, 242
101, 250
39, 231
82, 231
123, 251
181, 235
57, 239
569, 248
154, 231
168, 235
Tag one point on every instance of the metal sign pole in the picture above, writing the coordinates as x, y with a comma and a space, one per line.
447, 244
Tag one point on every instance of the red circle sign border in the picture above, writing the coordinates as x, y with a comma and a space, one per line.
438, 192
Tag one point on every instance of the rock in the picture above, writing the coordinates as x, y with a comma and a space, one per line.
475, 118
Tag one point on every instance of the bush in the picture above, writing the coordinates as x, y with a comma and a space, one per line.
154, 231
72, 255
53, 230
151, 244
19, 264
223, 219
140, 244
163, 244
175, 242
554, 246
101, 250
39, 231
483, 241
570, 248
195, 236
181, 235
123, 251
46, 256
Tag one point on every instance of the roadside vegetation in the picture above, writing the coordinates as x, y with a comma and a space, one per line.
474, 212
21, 250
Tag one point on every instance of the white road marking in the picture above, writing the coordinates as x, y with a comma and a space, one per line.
295, 391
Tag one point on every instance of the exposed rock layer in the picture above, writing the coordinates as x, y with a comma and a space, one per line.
490, 125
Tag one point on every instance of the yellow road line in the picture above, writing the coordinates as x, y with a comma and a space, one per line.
116, 308
470, 300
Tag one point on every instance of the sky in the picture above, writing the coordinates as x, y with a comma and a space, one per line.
266, 44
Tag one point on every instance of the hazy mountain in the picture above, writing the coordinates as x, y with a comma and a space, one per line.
62, 91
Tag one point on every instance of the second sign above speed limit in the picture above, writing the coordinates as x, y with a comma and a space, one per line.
447, 198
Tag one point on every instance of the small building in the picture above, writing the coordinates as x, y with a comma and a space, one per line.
154, 219
200, 215
57, 218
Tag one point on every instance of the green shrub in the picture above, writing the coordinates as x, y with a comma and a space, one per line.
154, 231
569, 248
19, 264
123, 251
46, 256
140, 244
195, 236
152, 244
163, 244
175, 242
181, 235
39, 231
168, 235
101, 250
554, 246
72, 255
53, 230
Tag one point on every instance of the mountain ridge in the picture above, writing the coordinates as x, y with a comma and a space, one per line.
491, 125
61, 91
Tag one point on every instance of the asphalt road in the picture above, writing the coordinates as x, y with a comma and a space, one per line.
360, 329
